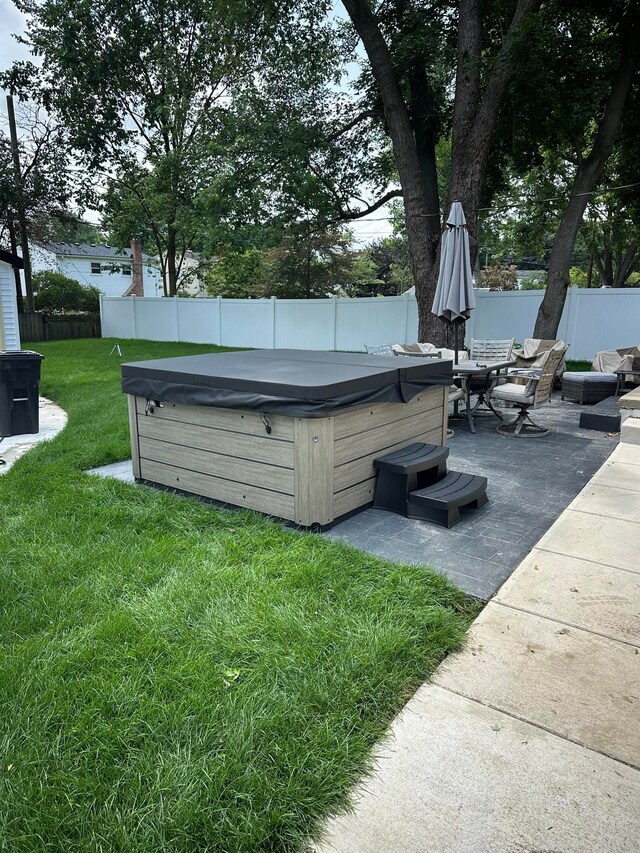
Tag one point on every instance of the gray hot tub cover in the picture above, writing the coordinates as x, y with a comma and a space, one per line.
298, 383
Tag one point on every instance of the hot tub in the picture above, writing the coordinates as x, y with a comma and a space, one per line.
290, 433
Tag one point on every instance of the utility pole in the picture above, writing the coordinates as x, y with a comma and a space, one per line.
22, 222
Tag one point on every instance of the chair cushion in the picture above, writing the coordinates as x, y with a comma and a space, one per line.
590, 376
512, 393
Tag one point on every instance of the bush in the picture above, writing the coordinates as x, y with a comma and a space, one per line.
535, 281
55, 292
500, 277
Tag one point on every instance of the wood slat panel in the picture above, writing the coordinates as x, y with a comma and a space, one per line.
216, 465
133, 435
235, 420
369, 417
248, 497
350, 473
314, 470
262, 448
354, 497
375, 440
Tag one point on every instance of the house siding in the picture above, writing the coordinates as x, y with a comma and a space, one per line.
78, 267
9, 307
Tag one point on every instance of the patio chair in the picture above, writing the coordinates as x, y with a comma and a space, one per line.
530, 356
535, 391
424, 350
379, 349
429, 351
487, 351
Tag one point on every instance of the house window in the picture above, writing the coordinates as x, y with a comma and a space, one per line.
126, 270
96, 269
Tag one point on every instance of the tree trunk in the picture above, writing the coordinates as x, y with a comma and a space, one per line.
172, 274
588, 172
475, 116
421, 249
13, 245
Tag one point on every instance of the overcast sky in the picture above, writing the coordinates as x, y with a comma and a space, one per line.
12, 21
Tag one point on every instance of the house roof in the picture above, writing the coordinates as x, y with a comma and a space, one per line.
12, 260
89, 250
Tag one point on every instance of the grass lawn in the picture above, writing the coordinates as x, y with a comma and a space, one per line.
174, 677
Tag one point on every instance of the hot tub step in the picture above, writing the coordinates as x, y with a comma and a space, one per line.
413, 467
441, 502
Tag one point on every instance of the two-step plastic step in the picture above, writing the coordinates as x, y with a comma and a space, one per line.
414, 482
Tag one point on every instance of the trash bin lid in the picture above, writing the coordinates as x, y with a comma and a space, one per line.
20, 353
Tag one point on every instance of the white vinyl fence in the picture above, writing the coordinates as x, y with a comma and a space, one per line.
593, 320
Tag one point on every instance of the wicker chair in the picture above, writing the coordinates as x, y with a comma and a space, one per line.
533, 394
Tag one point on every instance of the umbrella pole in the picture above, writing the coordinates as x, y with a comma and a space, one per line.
455, 342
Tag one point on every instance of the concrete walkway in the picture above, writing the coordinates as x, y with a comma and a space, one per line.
527, 741
52, 420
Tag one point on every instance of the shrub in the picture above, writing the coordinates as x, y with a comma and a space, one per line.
54, 291
535, 281
500, 277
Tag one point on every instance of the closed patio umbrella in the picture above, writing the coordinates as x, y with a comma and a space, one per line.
454, 299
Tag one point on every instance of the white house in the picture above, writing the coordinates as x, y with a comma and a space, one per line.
105, 267
9, 329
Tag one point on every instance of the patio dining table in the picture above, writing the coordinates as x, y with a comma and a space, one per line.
466, 370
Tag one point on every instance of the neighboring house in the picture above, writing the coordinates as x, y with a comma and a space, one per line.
9, 329
104, 267
193, 270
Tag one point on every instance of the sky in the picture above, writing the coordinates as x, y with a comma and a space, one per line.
365, 230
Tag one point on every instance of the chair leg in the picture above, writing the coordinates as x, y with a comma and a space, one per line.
522, 427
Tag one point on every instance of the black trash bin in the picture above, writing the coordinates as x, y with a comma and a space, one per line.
19, 386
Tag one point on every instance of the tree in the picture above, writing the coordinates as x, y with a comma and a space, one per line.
310, 267
484, 65
45, 187
593, 143
151, 94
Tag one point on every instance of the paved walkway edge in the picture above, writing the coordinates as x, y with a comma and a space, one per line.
528, 739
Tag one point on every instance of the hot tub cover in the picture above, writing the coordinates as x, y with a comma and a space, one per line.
300, 383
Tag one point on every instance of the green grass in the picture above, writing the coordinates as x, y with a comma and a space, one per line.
174, 677
578, 366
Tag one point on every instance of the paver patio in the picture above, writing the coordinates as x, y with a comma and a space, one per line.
531, 481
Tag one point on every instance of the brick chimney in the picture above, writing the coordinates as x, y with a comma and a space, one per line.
136, 288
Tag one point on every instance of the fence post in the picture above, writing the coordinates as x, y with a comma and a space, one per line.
572, 316
273, 322
335, 323
135, 320
101, 315
177, 313
407, 331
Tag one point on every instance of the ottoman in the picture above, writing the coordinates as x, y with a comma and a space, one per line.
589, 387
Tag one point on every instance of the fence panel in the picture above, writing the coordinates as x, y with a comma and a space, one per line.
593, 320
118, 319
605, 319
305, 323
198, 320
360, 322
245, 320
156, 318
58, 327
31, 327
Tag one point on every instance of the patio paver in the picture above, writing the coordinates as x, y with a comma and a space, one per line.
531, 481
